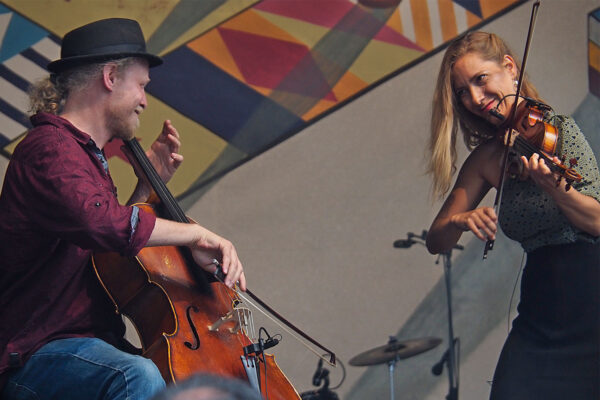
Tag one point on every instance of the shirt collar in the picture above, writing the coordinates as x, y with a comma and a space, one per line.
43, 118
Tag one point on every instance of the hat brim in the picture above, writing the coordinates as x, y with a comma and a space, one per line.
70, 62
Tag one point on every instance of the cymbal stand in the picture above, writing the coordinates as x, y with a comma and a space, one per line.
391, 365
450, 357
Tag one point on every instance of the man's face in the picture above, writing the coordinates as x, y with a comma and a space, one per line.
128, 99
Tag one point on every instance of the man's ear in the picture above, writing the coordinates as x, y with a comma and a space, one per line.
109, 76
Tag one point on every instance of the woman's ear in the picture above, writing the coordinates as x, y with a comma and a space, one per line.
511, 66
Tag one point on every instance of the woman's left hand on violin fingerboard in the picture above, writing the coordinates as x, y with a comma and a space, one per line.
537, 169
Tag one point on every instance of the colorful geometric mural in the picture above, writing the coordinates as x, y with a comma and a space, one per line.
239, 76
594, 51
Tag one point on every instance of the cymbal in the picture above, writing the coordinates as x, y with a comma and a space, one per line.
394, 350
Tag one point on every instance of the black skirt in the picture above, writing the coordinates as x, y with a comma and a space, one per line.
553, 349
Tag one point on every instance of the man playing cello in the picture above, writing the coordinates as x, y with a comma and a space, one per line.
60, 336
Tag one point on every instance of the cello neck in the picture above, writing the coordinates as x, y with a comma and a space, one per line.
171, 207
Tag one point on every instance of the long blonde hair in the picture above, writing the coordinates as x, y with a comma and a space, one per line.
448, 113
49, 94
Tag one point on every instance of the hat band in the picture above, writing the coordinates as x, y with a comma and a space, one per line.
111, 50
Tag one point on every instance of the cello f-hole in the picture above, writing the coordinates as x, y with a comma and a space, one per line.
196, 345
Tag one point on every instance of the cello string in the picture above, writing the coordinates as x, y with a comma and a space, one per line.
243, 297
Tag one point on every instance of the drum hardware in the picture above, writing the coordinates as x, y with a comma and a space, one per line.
392, 352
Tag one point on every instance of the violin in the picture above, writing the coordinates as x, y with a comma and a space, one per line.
529, 134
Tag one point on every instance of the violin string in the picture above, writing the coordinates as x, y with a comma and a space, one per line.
522, 144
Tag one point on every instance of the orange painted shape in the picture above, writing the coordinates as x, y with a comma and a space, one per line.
594, 55
395, 22
252, 22
261, 89
448, 19
490, 7
420, 12
318, 109
472, 19
348, 85
212, 47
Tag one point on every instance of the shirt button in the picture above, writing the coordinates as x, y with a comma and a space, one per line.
97, 204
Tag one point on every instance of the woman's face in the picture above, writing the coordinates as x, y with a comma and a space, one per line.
480, 85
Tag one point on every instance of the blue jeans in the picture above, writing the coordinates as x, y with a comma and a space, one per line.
83, 368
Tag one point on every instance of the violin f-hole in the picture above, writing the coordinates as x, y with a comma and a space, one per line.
196, 345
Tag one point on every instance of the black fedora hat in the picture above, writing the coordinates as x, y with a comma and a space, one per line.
107, 39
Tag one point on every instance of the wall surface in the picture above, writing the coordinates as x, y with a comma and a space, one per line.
314, 220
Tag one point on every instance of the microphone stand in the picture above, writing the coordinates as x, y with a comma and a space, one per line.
450, 357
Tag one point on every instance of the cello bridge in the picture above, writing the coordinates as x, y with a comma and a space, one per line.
241, 317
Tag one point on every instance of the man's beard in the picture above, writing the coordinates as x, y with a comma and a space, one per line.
121, 126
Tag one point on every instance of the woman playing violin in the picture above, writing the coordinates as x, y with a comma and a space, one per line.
553, 349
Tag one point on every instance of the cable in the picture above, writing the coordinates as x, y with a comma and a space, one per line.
343, 374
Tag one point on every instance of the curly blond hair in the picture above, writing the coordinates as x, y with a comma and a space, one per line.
49, 94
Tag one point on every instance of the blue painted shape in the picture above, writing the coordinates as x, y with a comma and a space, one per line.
471, 5
198, 89
20, 35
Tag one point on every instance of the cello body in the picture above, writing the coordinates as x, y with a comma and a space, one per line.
187, 323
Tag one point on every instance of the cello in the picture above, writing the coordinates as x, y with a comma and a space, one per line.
187, 320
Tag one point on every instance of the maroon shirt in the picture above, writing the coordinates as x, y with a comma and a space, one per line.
57, 206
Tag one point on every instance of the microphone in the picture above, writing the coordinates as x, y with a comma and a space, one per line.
403, 243
260, 346
439, 366
495, 113
406, 243
319, 374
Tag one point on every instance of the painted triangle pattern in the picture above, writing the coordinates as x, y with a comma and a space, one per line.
25, 51
260, 74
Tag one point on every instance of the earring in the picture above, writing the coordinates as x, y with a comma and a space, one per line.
516, 83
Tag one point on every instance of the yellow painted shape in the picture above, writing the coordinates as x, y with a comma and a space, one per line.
59, 16
304, 32
448, 19
348, 86
594, 55
395, 22
124, 178
220, 14
420, 12
199, 146
212, 47
490, 7
318, 109
10, 147
254, 23
379, 59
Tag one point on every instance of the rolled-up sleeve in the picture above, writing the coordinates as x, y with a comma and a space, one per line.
75, 199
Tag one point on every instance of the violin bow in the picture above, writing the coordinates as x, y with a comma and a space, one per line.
489, 245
